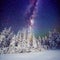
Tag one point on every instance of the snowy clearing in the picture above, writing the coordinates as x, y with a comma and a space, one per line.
43, 55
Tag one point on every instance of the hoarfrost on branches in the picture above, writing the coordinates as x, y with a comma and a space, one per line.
25, 41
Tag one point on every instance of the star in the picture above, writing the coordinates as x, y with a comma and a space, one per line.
32, 21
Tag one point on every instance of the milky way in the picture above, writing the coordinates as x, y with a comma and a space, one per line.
19, 13
31, 11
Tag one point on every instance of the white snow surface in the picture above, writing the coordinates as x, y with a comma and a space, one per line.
43, 55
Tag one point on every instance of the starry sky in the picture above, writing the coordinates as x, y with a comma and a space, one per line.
12, 13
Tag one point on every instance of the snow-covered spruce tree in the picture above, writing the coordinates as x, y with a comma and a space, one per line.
1, 39
12, 45
38, 42
50, 39
6, 36
58, 41
18, 42
15, 44
24, 39
53, 37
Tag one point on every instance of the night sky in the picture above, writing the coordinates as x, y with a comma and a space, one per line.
12, 13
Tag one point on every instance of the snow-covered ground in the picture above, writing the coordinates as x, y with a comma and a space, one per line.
43, 55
